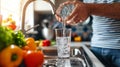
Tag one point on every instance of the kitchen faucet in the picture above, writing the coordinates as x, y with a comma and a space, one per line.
24, 13
64, 12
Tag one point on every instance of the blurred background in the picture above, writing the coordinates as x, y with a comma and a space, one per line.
40, 13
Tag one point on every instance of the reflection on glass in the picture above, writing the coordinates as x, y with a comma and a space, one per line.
72, 62
63, 63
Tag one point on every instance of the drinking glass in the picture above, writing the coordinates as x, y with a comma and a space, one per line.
63, 63
63, 40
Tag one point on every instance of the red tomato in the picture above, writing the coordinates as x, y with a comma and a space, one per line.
46, 43
34, 58
12, 26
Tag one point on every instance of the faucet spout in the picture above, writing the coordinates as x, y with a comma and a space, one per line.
52, 5
23, 14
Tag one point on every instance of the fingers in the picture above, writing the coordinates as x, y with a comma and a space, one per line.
59, 9
58, 18
75, 11
72, 20
67, 2
75, 16
80, 11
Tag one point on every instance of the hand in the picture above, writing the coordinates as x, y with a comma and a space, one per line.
79, 14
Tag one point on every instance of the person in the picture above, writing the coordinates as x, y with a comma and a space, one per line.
105, 43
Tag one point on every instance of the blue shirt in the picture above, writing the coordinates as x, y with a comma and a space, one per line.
106, 31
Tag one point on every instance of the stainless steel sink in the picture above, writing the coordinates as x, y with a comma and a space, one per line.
80, 57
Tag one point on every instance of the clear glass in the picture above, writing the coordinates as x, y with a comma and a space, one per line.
63, 40
63, 63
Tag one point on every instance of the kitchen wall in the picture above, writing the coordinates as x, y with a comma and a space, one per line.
35, 14
14, 8
7, 8
82, 30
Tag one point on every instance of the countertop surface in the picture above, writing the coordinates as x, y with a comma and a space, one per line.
80, 43
94, 60
73, 44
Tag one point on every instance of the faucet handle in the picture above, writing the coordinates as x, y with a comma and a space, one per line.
32, 27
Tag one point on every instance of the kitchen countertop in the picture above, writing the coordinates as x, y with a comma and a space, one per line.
73, 44
93, 58
77, 44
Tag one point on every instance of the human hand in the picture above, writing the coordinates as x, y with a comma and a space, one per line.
79, 14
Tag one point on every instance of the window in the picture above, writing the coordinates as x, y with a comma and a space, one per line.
14, 8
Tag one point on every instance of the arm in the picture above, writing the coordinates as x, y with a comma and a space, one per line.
83, 10
107, 10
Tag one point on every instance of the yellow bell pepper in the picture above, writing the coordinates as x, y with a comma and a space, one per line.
30, 42
77, 39
11, 56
